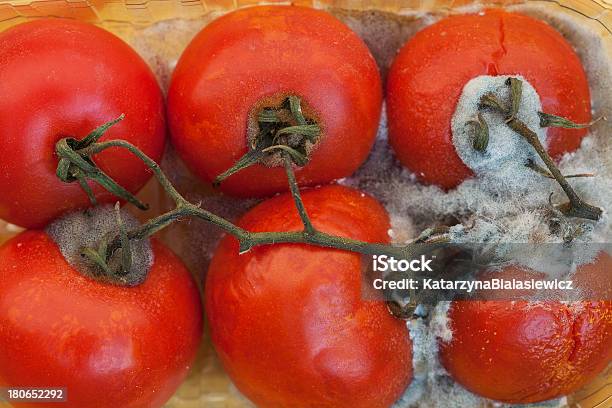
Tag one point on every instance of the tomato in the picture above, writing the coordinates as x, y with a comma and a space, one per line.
523, 352
110, 345
289, 322
254, 58
430, 71
62, 78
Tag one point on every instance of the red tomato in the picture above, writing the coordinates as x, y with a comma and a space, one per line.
520, 352
111, 346
63, 78
429, 73
289, 321
255, 57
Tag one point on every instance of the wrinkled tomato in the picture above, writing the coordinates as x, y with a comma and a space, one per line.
520, 352
289, 321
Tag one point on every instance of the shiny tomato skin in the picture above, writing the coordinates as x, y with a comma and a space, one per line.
288, 321
430, 71
260, 52
111, 346
62, 78
520, 352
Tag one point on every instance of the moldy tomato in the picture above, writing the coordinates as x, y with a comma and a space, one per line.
289, 322
522, 352
429, 73
253, 59
62, 78
111, 346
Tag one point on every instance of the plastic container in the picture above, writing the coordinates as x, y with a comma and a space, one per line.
208, 386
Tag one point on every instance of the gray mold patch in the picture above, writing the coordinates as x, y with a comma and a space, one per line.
85, 229
503, 160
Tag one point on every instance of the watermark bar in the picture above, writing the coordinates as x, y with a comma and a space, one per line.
33, 395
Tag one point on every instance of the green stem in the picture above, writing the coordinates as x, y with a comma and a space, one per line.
83, 183
247, 160
246, 239
126, 251
297, 198
97, 133
150, 163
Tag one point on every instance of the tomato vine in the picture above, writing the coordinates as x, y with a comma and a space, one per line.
76, 164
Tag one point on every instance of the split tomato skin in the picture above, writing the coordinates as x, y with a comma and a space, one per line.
111, 346
288, 321
429, 73
63, 78
264, 52
520, 352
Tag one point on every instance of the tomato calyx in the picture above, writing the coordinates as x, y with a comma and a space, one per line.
548, 120
575, 207
481, 133
84, 239
122, 272
76, 164
278, 132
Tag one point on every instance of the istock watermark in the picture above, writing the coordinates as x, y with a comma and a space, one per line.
385, 263
470, 286
485, 271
